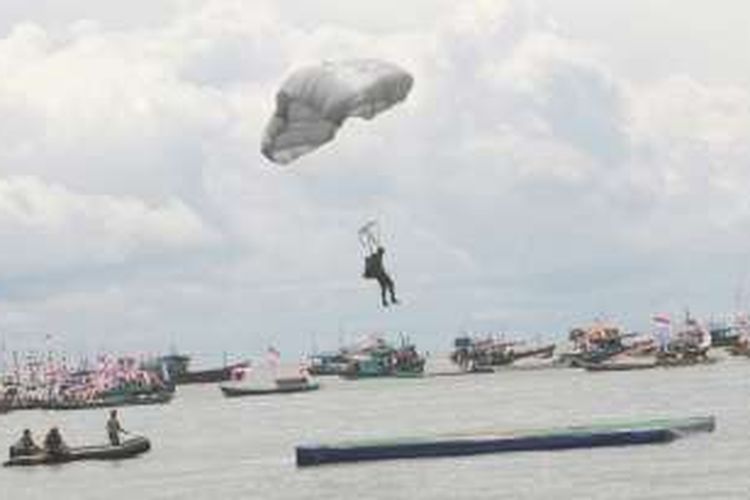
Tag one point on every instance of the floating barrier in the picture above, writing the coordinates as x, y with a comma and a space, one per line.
611, 434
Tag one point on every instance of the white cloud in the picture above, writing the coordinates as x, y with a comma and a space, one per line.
525, 174
47, 228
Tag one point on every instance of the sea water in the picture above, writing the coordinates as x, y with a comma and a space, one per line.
205, 446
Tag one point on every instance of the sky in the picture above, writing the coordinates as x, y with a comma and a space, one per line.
555, 163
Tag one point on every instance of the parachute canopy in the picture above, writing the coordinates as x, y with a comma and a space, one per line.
314, 102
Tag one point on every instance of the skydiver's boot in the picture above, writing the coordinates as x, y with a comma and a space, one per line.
391, 290
382, 294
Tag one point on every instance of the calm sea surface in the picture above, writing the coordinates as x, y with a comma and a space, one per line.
209, 447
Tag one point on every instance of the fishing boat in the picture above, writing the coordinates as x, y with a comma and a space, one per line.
177, 366
281, 385
328, 363
127, 449
618, 366
6, 399
663, 360
381, 359
111, 401
741, 349
476, 370
608, 434
470, 353
669, 361
595, 344
723, 335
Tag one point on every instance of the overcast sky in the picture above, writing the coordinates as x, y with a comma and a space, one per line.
554, 163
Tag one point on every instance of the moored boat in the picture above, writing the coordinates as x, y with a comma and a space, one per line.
111, 401
328, 363
619, 366
282, 385
690, 360
595, 344
127, 449
659, 361
384, 360
724, 335
741, 349
177, 366
471, 353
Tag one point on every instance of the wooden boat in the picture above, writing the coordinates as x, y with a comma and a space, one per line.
724, 336
669, 362
510, 354
328, 363
581, 359
469, 352
177, 366
616, 434
618, 366
283, 385
128, 449
476, 370
741, 349
209, 376
111, 401
6, 402
403, 363
659, 362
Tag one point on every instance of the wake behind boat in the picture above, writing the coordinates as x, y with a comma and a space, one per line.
127, 449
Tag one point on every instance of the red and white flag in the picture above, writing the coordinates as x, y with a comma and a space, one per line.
274, 357
662, 329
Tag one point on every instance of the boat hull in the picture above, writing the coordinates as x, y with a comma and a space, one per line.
621, 434
128, 449
618, 367
112, 402
233, 392
211, 376
307, 456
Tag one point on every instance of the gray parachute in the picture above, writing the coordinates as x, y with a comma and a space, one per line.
314, 102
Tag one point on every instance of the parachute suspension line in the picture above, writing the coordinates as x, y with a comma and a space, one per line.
369, 237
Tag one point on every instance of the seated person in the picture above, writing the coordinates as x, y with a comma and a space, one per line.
25, 446
374, 270
53, 442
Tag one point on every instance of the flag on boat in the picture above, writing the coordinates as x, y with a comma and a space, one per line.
661, 319
240, 372
274, 357
662, 330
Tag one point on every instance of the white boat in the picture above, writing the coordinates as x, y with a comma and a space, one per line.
280, 385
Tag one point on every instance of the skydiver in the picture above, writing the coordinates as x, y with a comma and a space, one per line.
374, 270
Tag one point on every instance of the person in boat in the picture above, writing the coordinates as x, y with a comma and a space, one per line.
114, 428
53, 442
374, 270
25, 446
